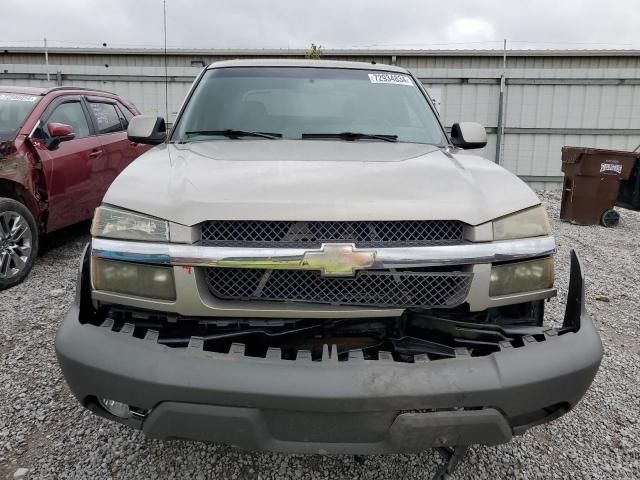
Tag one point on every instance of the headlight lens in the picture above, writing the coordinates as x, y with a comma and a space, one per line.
532, 222
128, 278
521, 277
114, 223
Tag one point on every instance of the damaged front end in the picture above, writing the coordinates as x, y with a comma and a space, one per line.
22, 176
416, 335
426, 378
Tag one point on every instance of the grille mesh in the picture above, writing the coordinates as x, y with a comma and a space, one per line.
313, 234
373, 288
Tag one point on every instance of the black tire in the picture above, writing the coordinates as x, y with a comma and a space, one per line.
18, 250
610, 218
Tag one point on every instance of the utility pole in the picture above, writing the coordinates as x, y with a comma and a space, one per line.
166, 74
500, 129
46, 58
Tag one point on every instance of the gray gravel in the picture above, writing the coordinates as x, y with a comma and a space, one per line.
43, 430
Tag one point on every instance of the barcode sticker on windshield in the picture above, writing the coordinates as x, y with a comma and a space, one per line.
18, 97
392, 78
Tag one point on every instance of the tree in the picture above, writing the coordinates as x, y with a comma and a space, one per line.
315, 52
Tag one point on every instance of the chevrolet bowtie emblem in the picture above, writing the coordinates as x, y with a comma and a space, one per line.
335, 259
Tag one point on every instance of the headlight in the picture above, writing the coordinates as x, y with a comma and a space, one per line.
111, 222
133, 279
532, 222
521, 277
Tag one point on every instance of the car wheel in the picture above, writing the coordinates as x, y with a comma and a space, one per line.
610, 218
18, 242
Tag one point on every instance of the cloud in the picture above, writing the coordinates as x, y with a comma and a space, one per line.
470, 29
332, 23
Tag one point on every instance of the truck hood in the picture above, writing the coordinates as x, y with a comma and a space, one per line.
255, 179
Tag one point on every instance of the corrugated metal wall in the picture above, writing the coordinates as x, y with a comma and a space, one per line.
552, 99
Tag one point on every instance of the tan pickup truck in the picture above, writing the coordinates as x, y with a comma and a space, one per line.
306, 263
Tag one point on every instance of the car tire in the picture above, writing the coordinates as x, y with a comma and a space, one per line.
18, 242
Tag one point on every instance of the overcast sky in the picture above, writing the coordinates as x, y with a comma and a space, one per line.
331, 23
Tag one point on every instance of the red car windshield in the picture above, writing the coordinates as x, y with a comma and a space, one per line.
14, 109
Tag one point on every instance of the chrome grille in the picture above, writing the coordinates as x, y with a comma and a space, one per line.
312, 234
382, 288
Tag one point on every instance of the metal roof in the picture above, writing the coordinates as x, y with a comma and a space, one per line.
327, 52
284, 62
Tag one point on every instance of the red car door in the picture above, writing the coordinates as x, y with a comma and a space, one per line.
111, 125
71, 168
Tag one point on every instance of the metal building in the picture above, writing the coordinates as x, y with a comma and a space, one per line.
551, 97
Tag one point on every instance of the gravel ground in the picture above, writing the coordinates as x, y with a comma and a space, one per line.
44, 430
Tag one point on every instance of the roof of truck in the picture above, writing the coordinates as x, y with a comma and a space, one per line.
287, 62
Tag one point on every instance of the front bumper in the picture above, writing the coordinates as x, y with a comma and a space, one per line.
357, 406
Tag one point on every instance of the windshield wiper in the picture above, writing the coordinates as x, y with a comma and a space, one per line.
231, 133
352, 136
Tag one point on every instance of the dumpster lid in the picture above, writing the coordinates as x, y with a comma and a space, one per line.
598, 162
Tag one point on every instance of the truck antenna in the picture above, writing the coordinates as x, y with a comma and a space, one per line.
166, 75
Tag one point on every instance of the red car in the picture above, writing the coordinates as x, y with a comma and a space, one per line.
60, 149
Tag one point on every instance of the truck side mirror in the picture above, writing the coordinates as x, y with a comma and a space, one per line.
59, 132
468, 135
147, 129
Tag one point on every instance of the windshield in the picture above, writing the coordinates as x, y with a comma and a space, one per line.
298, 103
14, 108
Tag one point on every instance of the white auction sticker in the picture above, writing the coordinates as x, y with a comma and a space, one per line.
610, 167
18, 97
390, 78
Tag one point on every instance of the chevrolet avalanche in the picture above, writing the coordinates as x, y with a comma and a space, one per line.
307, 262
